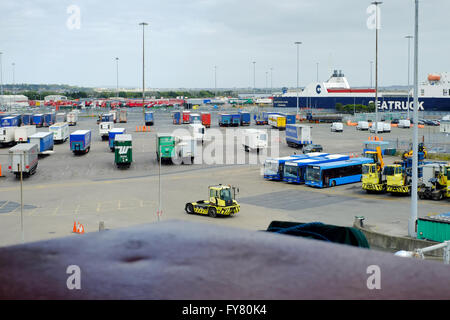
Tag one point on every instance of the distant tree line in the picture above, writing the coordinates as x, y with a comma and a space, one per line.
352, 108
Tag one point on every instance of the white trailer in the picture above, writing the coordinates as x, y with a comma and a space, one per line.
254, 139
185, 149
72, 118
22, 133
61, 117
387, 127
377, 126
104, 128
60, 131
7, 135
23, 157
197, 131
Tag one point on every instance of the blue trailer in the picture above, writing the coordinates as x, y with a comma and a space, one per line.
3, 115
235, 120
224, 120
245, 118
274, 167
44, 141
195, 118
49, 119
290, 118
149, 119
112, 135
11, 121
298, 135
27, 119
295, 171
176, 116
80, 141
38, 120
108, 117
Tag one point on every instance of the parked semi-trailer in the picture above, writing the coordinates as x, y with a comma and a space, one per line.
60, 132
165, 146
72, 118
235, 120
21, 134
11, 121
27, 119
123, 115
80, 141
277, 121
185, 149
197, 131
49, 119
206, 119
224, 120
112, 134
176, 117
7, 135
245, 118
149, 118
44, 141
123, 151
298, 135
107, 117
61, 117
104, 128
254, 139
23, 158
186, 116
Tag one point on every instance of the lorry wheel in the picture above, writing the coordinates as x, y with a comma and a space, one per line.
189, 208
333, 183
212, 212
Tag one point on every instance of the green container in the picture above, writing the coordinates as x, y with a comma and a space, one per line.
165, 144
123, 150
435, 228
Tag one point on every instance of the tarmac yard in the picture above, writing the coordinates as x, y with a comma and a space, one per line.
90, 188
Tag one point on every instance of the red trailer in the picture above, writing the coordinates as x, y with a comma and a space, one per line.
186, 116
206, 119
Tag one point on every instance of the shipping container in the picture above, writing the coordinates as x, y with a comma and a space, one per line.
21, 134
80, 141
23, 158
44, 141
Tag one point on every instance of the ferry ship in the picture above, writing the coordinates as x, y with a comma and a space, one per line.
434, 95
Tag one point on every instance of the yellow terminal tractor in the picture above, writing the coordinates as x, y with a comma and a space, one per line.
372, 173
222, 201
398, 178
435, 181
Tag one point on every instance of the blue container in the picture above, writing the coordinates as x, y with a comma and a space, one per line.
80, 141
235, 120
290, 118
176, 115
149, 119
112, 135
224, 120
244, 118
27, 119
11, 121
38, 119
44, 141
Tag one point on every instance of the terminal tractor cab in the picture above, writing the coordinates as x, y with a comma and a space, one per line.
222, 201
372, 173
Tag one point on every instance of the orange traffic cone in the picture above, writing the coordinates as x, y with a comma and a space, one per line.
80, 228
74, 227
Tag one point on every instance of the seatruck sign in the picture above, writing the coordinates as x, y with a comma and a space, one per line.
397, 105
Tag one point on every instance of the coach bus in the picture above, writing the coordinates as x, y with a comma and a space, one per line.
335, 173
295, 171
274, 167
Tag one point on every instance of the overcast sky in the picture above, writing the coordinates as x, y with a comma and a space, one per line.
185, 39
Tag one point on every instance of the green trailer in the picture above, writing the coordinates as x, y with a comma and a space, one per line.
123, 150
434, 227
165, 144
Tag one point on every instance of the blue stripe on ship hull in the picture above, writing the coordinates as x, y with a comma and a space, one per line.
386, 103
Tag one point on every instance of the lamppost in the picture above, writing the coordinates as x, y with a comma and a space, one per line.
317, 72
117, 76
143, 24
376, 3
267, 85
215, 81
1, 79
254, 79
14, 84
271, 81
371, 77
298, 43
409, 64
415, 157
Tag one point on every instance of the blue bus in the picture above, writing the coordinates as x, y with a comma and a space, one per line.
274, 167
335, 173
295, 171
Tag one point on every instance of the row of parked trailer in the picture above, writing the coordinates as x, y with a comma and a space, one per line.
38, 119
319, 170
